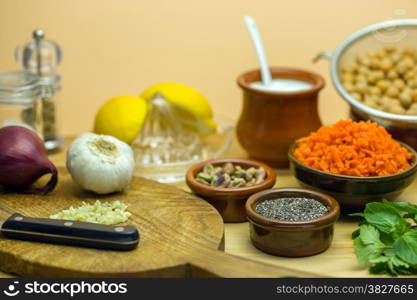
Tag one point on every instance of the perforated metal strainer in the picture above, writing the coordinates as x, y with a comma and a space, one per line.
400, 32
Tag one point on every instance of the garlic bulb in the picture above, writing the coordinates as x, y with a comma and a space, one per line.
100, 163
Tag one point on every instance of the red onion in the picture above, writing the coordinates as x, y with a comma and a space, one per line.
23, 160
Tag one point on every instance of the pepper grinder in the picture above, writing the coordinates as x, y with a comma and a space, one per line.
42, 57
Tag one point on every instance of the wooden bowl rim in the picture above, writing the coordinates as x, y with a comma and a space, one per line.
194, 184
406, 172
327, 219
287, 73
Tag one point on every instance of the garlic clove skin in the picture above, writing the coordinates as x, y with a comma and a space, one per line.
100, 163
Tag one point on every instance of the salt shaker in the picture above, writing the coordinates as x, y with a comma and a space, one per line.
42, 57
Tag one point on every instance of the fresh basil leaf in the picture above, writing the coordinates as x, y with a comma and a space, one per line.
366, 252
398, 262
370, 235
362, 251
380, 268
385, 218
403, 206
387, 239
363, 222
357, 215
379, 259
393, 266
356, 233
406, 247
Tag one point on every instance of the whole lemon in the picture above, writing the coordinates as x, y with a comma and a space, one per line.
194, 108
121, 117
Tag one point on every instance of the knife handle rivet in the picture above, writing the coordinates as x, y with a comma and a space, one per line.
18, 218
68, 224
119, 229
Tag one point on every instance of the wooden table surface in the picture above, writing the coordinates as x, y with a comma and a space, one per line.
338, 261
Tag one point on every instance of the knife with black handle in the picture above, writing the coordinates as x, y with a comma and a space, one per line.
72, 233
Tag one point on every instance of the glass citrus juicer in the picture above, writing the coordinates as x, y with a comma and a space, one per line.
170, 141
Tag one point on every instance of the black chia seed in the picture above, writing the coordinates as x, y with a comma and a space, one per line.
292, 209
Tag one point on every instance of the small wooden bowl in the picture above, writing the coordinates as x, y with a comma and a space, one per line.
230, 202
352, 192
293, 239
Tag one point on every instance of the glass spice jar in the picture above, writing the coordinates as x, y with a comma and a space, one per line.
50, 86
20, 93
42, 57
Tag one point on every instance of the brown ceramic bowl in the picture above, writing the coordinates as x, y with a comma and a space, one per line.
270, 121
230, 202
293, 239
352, 192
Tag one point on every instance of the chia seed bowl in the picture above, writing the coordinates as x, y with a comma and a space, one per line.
310, 234
229, 202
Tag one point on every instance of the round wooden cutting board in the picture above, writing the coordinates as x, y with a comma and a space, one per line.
181, 236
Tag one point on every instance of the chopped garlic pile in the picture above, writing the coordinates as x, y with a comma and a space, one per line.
108, 213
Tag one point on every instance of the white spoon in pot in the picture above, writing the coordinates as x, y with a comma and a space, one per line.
256, 39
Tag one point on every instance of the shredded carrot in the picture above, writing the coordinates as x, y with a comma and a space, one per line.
353, 148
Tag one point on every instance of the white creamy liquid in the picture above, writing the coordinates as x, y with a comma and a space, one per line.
282, 85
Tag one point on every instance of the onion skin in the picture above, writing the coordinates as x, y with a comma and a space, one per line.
23, 160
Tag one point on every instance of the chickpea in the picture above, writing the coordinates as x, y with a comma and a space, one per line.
357, 96
392, 91
399, 83
395, 101
401, 67
350, 67
361, 78
412, 82
386, 64
347, 77
361, 87
392, 74
362, 69
410, 74
383, 84
405, 64
374, 76
407, 50
405, 98
395, 57
380, 53
363, 59
412, 110
414, 95
396, 109
349, 87
371, 104
371, 101
375, 63
374, 90
385, 101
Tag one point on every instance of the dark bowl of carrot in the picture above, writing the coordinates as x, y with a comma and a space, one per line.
354, 192
355, 162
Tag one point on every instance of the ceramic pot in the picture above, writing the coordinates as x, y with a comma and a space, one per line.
287, 238
353, 192
271, 121
229, 202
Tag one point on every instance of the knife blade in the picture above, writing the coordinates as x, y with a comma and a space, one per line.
67, 232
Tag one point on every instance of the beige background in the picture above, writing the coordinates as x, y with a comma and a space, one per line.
116, 47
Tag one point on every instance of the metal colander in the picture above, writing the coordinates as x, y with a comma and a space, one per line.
401, 32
